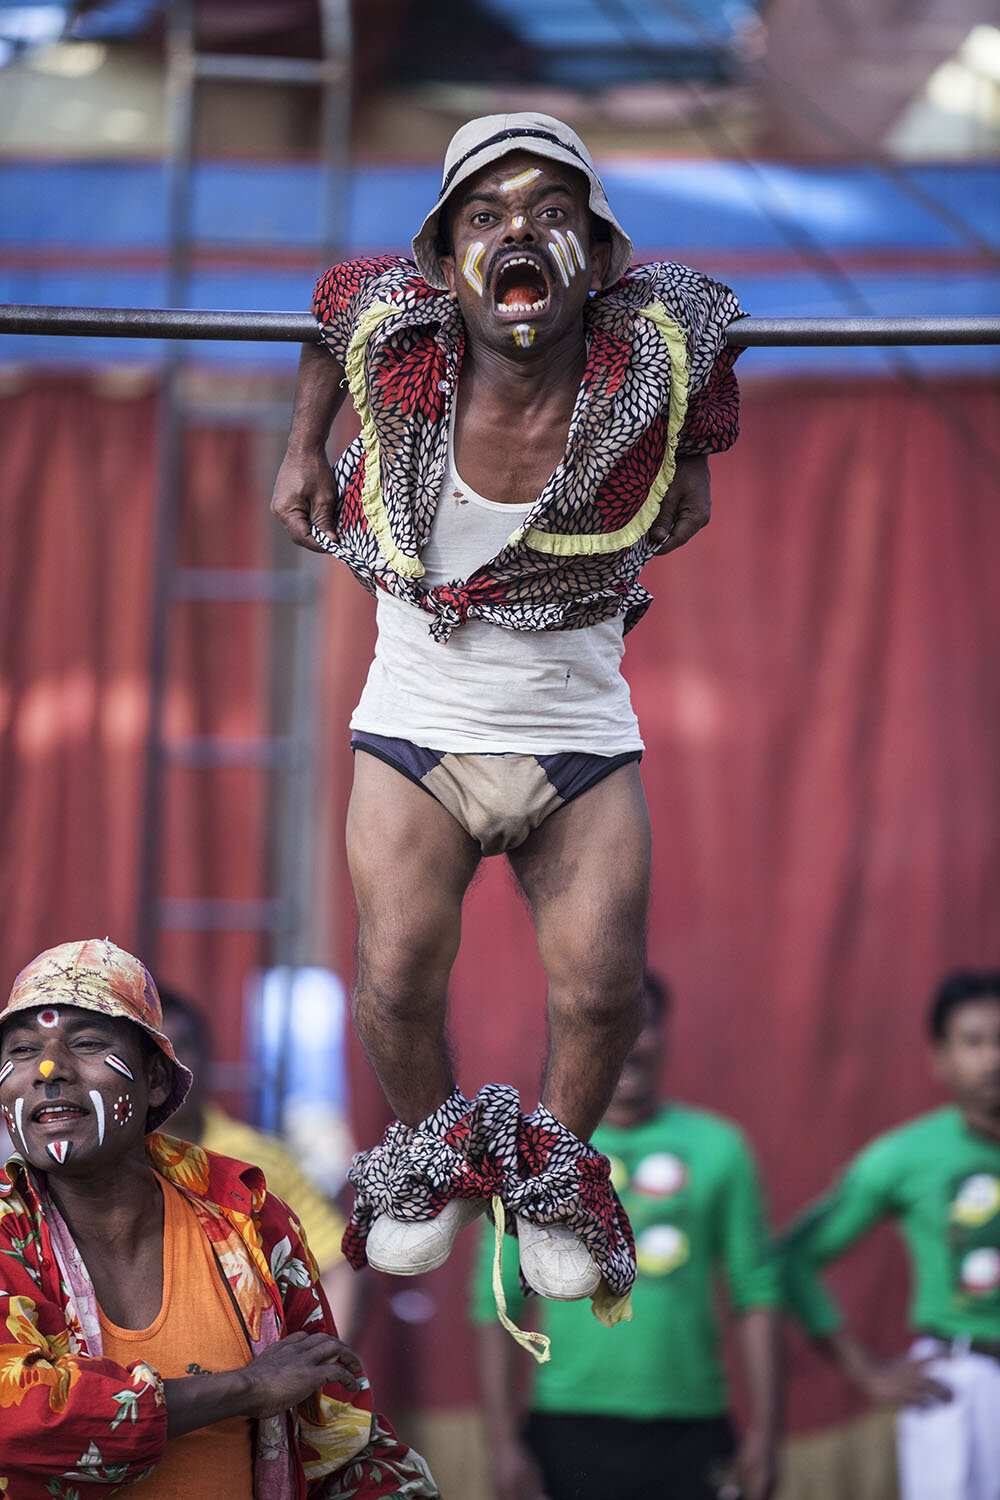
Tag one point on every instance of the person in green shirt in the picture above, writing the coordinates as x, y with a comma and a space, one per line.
641, 1410
938, 1179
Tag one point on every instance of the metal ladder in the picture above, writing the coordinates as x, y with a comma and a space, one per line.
288, 587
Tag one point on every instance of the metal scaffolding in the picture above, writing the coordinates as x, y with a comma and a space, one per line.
286, 755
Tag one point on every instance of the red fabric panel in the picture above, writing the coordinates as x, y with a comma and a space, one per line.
77, 504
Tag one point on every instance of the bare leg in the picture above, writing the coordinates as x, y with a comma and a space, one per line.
411, 864
585, 873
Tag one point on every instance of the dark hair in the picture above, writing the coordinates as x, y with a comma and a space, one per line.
180, 1005
957, 989
656, 992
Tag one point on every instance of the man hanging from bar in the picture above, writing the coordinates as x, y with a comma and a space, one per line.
535, 423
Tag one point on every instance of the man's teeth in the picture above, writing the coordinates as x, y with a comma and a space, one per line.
57, 1112
522, 306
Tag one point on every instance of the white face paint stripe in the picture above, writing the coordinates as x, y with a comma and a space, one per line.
470, 270
59, 1150
521, 180
18, 1112
518, 221
577, 251
8, 1067
98, 1104
559, 256
564, 247
120, 1067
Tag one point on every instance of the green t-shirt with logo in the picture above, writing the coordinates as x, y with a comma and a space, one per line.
940, 1182
689, 1185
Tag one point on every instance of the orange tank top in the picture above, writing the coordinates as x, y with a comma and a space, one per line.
196, 1331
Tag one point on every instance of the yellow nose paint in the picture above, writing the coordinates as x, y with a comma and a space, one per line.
45, 1068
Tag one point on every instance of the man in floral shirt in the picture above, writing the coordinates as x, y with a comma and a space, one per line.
162, 1325
526, 447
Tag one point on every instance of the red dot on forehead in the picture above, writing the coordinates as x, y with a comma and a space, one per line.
48, 1018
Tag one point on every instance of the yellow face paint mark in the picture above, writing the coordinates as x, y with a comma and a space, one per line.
471, 268
518, 221
521, 180
524, 335
45, 1068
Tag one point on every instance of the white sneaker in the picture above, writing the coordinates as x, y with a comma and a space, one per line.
555, 1262
410, 1249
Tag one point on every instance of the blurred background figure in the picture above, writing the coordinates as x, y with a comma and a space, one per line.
938, 1179
643, 1410
200, 1120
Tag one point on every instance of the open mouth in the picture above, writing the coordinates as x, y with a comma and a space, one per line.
521, 286
58, 1113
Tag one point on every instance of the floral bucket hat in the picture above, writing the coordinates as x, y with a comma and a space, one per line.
96, 974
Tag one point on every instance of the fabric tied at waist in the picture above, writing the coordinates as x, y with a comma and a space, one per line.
450, 604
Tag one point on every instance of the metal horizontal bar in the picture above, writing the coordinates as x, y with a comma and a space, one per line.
223, 916
234, 585
211, 752
750, 333
302, 328
160, 323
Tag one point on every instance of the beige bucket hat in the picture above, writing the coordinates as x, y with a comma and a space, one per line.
489, 138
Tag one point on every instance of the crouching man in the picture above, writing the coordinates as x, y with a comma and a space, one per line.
162, 1325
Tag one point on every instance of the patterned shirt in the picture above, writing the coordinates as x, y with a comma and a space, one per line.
658, 384
68, 1416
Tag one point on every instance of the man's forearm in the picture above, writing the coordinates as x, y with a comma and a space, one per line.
498, 1385
845, 1350
757, 1332
318, 397
199, 1400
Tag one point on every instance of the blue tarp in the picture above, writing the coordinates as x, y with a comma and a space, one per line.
751, 224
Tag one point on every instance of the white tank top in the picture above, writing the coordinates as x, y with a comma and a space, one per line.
487, 689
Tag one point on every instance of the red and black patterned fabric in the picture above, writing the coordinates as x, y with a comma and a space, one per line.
615, 447
538, 1168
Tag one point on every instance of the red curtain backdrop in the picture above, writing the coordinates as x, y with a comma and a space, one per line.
816, 686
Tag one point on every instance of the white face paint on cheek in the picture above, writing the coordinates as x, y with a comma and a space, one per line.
98, 1104
560, 255
577, 250
521, 180
7, 1068
122, 1110
471, 269
18, 1112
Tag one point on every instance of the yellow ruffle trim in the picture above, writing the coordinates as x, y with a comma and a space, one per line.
371, 495
537, 1344
590, 543
604, 1304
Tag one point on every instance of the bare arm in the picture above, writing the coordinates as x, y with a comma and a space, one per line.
756, 1460
894, 1382
278, 1379
514, 1471
304, 491
686, 506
